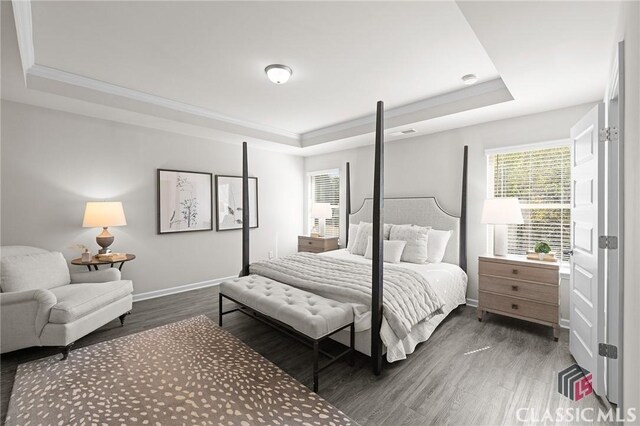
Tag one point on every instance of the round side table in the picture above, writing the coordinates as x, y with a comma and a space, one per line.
95, 262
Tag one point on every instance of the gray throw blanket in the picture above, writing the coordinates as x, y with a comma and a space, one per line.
407, 296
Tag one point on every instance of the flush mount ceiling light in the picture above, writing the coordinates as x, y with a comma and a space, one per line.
469, 79
279, 74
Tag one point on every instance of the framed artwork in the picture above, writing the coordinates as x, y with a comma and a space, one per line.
229, 202
185, 201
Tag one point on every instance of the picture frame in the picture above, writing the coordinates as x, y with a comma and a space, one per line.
185, 201
229, 202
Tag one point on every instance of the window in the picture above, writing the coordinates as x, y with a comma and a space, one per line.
541, 179
324, 187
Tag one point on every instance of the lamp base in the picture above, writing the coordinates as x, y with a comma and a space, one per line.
321, 227
500, 240
104, 240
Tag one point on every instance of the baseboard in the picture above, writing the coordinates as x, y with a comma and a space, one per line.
472, 302
179, 289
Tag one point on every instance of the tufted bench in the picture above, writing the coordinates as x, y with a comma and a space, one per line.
294, 311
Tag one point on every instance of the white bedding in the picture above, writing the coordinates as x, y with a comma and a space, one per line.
449, 281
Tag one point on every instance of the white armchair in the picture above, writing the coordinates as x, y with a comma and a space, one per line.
42, 304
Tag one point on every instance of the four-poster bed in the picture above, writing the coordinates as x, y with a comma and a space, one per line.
383, 326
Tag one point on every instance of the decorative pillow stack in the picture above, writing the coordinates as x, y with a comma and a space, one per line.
364, 231
416, 237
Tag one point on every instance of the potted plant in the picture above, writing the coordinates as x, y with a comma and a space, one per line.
542, 248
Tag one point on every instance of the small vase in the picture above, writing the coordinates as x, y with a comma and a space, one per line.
541, 256
86, 256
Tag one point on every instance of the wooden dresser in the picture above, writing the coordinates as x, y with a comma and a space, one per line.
520, 288
317, 244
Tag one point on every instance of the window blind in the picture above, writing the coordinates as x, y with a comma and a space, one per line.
325, 188
541, 179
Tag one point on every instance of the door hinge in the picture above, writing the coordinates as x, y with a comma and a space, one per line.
608, 351
608, 134
607, 242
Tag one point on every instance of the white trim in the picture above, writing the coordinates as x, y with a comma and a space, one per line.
472, 302
178, 289
528, 147
24, 31
456, 95
564, 323
43, 71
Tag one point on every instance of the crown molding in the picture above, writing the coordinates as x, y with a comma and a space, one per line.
24, 29
94, 85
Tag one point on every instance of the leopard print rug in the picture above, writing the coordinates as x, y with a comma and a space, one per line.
191, 372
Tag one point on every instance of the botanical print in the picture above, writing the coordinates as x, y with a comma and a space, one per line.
229, 199
184, 201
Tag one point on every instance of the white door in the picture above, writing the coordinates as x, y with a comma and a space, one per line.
586, 300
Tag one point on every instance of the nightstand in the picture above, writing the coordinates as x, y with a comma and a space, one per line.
317, 244
520, 288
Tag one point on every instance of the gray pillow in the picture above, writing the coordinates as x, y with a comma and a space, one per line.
34, 271
416, 237
365, 230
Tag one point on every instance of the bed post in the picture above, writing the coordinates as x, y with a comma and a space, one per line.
347, 206
378, 238
245, 212
463, 212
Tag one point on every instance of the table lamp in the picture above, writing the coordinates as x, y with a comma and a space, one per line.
322, 212
501, 212
104, 214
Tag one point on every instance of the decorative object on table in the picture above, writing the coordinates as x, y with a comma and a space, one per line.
541, 248
501, 212
86, 256
97, 261
229, 202
112, 257
104, 214
184, 201
322, 212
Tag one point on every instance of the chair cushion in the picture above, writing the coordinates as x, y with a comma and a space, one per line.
78, 300
33, 271
8, 251
312, 315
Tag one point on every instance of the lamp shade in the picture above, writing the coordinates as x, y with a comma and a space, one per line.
103, 214
321, 211
502, 211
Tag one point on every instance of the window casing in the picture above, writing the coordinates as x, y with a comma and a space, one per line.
541, 180
324, 187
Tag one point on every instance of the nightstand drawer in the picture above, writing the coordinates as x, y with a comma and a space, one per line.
540, 292
317, 245
312, 243
519, 307
520, 272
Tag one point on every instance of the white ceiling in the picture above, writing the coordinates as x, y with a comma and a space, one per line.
197, 67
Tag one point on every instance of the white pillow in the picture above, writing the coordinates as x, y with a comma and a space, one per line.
365, 230
392, 250
416, 237
34, 271
438, 241
353, 231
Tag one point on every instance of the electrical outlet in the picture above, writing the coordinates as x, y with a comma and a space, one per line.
271, 256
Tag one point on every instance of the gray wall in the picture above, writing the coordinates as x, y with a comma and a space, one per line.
432, 165
53, 162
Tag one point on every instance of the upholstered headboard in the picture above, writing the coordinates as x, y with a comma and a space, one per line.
423, 211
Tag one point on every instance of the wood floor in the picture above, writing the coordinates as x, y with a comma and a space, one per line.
441, 383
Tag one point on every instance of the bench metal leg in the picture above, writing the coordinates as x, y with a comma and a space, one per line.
316, 350
220, 309
352, 344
